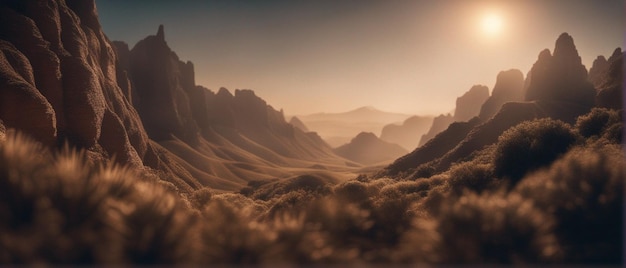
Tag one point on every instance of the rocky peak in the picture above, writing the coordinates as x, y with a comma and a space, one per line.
565, 48
468, 105
163, 84
160, 33
616, 54
509, 87
365, 137
599, 67
296, 122
223, 93
561, 77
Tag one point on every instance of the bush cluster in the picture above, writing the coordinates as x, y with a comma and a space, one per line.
547, 192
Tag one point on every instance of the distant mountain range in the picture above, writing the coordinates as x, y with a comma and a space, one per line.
339, 128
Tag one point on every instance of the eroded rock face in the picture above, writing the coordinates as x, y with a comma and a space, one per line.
60, 81
509, 87
468, 105
22, 106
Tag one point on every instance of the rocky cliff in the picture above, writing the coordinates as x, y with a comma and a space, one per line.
509, 87
61, 84
468, 105
62, 81
609, 83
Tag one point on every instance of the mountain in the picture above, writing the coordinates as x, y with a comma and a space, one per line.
609, 84
339, 128
509, 87
223, 139
406, 134
368, 149
63, 82
299, 124
440, 123
468, 105
558, 89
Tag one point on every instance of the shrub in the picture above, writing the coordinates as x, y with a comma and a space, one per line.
489, 228
469, 176
199, 198
531, 145
596, 122
584, 190
60, 210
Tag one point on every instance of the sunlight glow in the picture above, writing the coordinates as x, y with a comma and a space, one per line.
492, 24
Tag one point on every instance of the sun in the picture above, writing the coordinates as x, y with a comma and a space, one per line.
492, 24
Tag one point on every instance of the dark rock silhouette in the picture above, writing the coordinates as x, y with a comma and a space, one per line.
598, 69
440, 123
298, 123
557, 89
468, 105
610, 85
509, 87
561, 77
406, 134
368, 149
162, 83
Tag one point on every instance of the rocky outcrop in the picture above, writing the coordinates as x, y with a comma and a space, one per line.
298, 123
368, 149
610, 85
509, 87
440, 123
561, 77
406, 135
162, 83
60, 83
598, 69
468, 105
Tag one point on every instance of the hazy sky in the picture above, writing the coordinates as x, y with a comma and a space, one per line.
335, 55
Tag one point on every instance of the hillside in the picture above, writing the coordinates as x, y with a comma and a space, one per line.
368, 149
407, 134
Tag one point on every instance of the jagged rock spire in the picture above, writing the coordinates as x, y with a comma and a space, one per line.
160, 33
